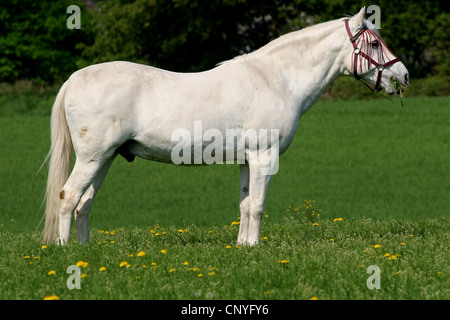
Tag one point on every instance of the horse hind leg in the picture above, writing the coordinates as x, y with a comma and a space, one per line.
86, 202
82, 176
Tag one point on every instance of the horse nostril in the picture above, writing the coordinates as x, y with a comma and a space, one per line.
406, 78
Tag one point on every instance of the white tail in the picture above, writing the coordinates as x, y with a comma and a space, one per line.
59, 158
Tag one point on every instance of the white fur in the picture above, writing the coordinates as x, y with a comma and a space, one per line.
107, 104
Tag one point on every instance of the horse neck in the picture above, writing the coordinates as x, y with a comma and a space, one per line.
309, 60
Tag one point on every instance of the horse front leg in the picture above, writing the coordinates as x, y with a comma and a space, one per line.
254, 186
244, 204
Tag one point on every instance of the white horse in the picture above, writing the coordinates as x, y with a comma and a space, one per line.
132, 110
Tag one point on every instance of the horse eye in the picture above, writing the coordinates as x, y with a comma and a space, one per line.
375, 44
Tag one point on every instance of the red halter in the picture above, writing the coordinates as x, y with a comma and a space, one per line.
364, 38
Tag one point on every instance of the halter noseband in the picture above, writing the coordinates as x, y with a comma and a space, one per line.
358, 54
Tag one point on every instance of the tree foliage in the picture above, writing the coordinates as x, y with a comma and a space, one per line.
194, 35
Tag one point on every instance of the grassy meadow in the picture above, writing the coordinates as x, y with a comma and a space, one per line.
379, 173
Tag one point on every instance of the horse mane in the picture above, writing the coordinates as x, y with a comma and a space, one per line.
278, 42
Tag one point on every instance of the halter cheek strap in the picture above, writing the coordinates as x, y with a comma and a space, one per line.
358, 53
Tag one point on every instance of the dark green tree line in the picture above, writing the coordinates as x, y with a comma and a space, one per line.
194, 35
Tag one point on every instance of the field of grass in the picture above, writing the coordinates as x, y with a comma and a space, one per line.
383, 169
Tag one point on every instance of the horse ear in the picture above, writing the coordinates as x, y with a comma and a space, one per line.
357, 21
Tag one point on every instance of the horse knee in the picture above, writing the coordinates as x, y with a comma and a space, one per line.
256, 209
244, 206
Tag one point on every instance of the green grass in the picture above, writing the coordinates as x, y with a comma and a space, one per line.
296, 260
384, 169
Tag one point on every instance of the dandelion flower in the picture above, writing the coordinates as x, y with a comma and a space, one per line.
387, 254
185, 263
338, 219
212, 273
51, 272
44, 247
200, 275
141, 253
26, 257
171, 270
84, 275
124, 264
163, 251
284, 261
315, 224
52, 297
377, 246
314, 298
82, 264
102, 269
228, 247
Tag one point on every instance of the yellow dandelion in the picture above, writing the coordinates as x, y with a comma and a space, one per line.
171, 270
394, 256
338, 219
112, 242
200, 275
315, 224
141, 253
52, 297
124, 264
84, 275
163, 251
377, 246
284, 261
44, 247
26, 257
267, 292
387, 254
212, 273
314, 298
331, 239
82, 264
186, 263
265, 238
180, 230
402, 243
228, 247
51, 272
102, 269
